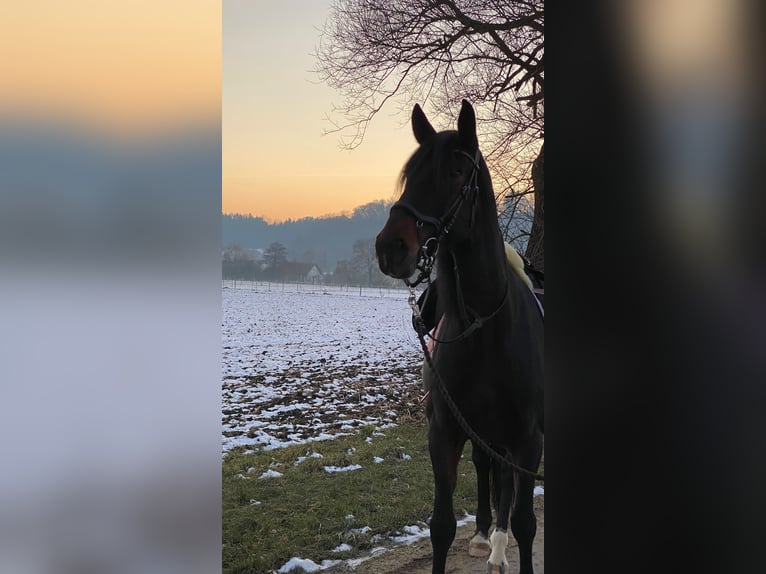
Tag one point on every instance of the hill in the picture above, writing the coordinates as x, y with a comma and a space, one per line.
323, 240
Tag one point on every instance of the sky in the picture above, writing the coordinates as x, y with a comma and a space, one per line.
137, 66
276, 161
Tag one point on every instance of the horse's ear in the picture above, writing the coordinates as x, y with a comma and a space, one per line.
422, 129
466, 127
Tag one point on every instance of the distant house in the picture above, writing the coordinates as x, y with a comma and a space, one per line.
301, 272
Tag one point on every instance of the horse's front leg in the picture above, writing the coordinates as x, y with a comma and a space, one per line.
504, 494
445, 454
523, 521
479, 544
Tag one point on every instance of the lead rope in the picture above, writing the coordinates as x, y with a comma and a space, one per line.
475, 438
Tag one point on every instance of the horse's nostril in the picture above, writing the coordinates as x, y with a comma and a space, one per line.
391, 252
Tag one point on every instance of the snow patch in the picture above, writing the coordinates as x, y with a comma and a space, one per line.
300, 459
342, 468
411, 534
306, 564
293, 563
271, 474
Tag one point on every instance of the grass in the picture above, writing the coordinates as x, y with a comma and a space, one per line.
307, 512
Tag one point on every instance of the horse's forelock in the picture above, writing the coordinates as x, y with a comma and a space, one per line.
434, 151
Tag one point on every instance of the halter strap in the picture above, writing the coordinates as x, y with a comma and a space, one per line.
419, 216
474, 160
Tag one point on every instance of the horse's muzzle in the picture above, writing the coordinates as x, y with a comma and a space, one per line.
395, 257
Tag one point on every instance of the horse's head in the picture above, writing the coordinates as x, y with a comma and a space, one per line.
439, 191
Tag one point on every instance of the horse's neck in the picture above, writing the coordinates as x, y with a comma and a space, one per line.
476, 272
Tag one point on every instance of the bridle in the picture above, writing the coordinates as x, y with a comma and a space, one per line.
430, 247
442, 225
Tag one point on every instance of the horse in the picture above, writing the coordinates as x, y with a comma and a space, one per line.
488, 365
428, 312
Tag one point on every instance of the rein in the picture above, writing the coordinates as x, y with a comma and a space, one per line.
477, 323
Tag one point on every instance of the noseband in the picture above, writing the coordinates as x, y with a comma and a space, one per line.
442, 225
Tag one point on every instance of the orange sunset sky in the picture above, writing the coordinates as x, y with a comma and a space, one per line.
125, 67
276, 162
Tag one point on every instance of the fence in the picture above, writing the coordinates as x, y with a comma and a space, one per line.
318, 288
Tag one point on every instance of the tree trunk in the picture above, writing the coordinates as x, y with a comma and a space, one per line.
536, 245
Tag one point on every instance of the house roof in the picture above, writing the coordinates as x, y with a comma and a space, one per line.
299, 267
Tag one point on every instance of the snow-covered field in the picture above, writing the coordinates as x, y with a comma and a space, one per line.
307, 363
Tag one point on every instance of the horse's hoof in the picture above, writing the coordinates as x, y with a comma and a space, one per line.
479, 550
479, 547
495, 569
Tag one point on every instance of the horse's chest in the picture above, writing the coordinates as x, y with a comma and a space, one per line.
474, 355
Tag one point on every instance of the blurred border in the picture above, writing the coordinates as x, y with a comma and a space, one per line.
656, 304
110, 210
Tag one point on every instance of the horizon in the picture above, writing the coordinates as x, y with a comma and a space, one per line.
345, 213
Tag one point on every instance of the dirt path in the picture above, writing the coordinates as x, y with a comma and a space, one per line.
416, 558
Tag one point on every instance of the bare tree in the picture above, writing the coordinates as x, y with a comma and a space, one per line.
437, 52
342, 274
234, 252
364, 261
275, 255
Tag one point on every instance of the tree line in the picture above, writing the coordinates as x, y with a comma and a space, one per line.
320, 240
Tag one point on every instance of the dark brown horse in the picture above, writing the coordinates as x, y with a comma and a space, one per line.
490, 361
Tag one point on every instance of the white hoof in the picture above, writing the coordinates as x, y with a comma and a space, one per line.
497, 563
479, 546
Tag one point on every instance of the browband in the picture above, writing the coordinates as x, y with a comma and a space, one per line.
421, 217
